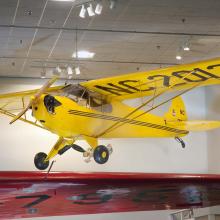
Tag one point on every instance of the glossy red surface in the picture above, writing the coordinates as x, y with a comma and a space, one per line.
36, 194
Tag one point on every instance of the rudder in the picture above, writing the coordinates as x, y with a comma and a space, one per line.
177, 111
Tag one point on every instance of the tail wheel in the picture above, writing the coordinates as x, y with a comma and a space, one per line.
39, 162
101, 154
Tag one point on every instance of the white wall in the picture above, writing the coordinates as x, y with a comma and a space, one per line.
20, 142
213, 137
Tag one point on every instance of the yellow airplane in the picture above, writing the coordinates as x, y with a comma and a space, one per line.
94, 109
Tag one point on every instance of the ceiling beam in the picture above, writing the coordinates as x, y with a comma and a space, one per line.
66, 61
112, 31
33, 78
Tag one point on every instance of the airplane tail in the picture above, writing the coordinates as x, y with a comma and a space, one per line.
176, 112
177, 117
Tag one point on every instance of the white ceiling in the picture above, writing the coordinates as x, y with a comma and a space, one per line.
136, 35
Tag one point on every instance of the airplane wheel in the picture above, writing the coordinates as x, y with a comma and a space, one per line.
101, 154
39, 161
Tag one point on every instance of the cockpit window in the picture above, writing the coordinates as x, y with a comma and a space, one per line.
86, 98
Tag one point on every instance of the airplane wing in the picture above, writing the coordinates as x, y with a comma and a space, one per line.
12, 103
148, 83
40, 194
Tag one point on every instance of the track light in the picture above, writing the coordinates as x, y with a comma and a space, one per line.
57, 71
98, 8
112, 4
69, 70
90, 10
77, 70
43, 75
82, 13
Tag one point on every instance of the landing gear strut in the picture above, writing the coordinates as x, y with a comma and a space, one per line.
39, 161
178, 139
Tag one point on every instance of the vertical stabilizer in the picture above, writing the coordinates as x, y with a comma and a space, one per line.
177, 111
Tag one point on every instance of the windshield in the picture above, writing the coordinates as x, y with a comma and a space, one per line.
86, 98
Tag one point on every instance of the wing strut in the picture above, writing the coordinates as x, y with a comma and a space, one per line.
21, 119
125, 119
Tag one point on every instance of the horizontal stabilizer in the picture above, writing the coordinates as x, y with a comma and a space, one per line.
197, 125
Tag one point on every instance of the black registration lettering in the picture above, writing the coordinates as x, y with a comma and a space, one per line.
114, 89
40, 198
125, 83
213, 66
210, 75
166, 79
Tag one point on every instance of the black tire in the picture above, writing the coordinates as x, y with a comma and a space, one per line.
39, 161
101, 154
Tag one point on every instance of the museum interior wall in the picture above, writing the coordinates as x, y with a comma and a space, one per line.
213, 139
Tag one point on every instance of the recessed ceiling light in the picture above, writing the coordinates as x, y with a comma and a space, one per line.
178, 57
186, 45
186, 48
83, 54
77, 70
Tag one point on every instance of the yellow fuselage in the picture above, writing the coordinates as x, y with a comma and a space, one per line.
70, 120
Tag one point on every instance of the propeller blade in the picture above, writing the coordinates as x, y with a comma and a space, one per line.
35, 98
21, 113
44, 88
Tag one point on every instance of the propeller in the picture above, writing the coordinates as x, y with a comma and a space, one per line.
35, 98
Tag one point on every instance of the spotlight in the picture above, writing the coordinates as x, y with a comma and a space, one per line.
70, 76
58, 70
43, 75
77, 70
82, 13
69, 70
98, 9
90, 10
